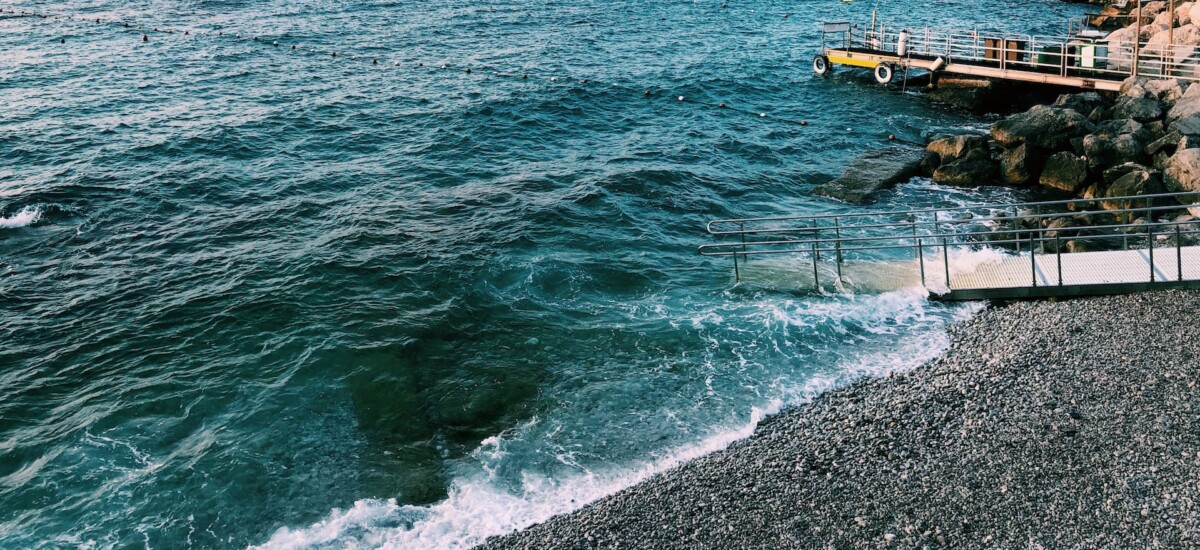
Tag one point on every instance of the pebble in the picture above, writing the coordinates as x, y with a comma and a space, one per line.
961, 452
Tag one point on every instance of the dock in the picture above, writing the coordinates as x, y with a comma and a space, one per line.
1000, 251
1086, 59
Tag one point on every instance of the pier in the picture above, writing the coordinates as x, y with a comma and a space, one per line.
1078, 247
1084, 58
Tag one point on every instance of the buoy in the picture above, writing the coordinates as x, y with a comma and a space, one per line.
397, 63
585, 81
62, 40
275, 43
185, 33
468, 70
680, 98
293, 46
785, 16
524, 77
891, 137
420, 64
334, 54
721, 105
554, 79
804, 123
849, 129
762, 115
145, 38
646, 93
374, 61
443, 66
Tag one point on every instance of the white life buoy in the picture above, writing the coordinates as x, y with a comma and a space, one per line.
821, 65
884, 72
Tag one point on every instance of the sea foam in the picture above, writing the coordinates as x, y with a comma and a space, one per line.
478, 506
24, 217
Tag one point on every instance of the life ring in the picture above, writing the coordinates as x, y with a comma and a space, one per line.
884, 72
821, 65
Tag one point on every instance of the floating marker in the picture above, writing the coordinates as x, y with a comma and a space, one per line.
145, 38
374, 61
334, 54
804, 123
680, 98
891, 137
185, 33
585, 81
762, 115
554, 79
524, 77
443, 66
62, 40
397, 63
420, 64
468, 70
646, 93
721, 105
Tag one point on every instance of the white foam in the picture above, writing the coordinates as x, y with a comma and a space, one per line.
25, 217
479, 506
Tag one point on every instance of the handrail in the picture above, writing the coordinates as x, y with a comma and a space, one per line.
992, 206
918, 229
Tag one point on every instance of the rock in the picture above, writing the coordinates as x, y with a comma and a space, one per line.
1186, 126
952, 148
1183, 171
1065, 172
1186, 106
1165, 144
1183, 12
1049, 128
1136, 183
975, 169
1166, 91
929, 163
1080, 103
1139, 109
872, 172
1019, 165
1103, 151
1115, 173
1135, 87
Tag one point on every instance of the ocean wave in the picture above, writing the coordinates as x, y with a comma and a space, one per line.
480, 506
23, 218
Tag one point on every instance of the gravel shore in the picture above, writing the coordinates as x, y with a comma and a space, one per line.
1046, 425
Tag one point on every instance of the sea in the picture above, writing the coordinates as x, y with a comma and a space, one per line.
382, 274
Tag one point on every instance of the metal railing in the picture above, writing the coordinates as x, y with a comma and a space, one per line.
1039, 229
1060, 55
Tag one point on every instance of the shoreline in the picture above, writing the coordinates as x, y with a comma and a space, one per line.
1044, 425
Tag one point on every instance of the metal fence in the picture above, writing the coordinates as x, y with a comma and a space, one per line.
1041, 230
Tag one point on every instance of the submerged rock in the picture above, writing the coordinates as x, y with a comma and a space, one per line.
952, 148
975, 169
872, 172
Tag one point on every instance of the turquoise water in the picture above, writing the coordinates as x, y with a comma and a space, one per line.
252, 295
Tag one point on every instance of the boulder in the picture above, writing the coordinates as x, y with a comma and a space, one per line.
975, 169
1080, 103
1019, 165
1187, 105
1065, 172
1120, 48
1139, 109
1115, 173
872, 172
1049, 128
1103, 151
1166, 144
1166, 91
1193, 12
1183, 12
1136, 183
952, 148
1183, 171
1165, 18
1186, 126
929, 163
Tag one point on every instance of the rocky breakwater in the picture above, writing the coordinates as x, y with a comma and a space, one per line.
1146, 140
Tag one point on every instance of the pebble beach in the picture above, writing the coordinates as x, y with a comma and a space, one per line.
1045, 425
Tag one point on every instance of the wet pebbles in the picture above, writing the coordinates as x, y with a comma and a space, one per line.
1047, 425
